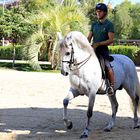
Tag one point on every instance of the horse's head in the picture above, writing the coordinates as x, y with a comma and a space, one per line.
71, 47
66, 53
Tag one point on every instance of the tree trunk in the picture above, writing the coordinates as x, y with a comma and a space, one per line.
55, 60
14, 55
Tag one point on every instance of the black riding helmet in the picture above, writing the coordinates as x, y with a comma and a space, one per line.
101, 6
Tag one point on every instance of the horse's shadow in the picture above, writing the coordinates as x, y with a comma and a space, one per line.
47, 123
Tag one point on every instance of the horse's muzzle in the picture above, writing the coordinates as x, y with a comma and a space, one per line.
64, 73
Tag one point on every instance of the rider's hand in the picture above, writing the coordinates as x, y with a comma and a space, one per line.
95, 45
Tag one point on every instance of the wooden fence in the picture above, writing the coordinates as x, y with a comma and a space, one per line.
134, 42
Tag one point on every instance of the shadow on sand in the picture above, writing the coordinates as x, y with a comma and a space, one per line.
47, 124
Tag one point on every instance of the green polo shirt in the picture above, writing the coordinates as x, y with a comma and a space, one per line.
100, 30
100, 33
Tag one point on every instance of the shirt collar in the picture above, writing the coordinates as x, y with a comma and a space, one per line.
102, 22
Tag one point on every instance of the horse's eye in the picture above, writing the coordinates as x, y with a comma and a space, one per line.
67, 53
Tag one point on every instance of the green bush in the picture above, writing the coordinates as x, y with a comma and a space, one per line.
6, 52
137, 58
129, 51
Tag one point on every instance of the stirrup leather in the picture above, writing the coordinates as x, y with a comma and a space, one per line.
109, 91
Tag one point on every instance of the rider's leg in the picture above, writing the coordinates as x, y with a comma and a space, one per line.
110, 75
109, 70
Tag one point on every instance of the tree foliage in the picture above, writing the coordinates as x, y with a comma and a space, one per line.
14, 26
122, 20
135, 14
50, 20
89, 8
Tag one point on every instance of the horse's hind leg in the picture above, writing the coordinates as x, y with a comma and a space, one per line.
135, 99
135, 103
114, 105
72, 94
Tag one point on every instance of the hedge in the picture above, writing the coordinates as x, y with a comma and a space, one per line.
129, 51
6, 52
133, 52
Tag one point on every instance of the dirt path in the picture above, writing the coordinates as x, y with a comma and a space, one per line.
31, 109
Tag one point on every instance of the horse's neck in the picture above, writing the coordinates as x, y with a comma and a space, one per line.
92, 65
82, 54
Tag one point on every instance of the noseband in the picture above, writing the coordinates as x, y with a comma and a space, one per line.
71, 62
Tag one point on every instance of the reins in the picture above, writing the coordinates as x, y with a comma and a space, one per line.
71, 61
80, 63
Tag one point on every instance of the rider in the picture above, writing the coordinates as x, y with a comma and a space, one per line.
102, 32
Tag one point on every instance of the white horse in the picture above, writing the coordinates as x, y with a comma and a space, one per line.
79, 61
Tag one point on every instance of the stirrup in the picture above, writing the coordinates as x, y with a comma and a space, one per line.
110, 91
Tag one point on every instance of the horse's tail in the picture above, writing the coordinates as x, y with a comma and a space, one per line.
138, 93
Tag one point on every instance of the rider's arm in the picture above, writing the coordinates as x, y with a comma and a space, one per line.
90, 35
106, 42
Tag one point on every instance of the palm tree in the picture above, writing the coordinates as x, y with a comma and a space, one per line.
60, 18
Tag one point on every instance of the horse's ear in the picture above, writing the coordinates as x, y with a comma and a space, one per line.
59, 36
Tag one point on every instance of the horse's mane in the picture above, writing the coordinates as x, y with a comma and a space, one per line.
80, 40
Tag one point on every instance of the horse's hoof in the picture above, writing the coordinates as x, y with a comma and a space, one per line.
70, 126
136, 127
107, 129
83, 136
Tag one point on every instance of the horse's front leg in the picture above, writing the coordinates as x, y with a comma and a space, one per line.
114, 105
89, 115
71, 94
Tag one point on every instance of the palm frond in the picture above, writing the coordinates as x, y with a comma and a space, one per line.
61, 18
32, 47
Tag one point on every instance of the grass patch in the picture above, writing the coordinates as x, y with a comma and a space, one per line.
27, 67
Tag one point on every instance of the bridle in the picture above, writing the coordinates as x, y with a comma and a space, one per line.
71, 62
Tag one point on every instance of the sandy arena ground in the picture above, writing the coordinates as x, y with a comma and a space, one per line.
31, 109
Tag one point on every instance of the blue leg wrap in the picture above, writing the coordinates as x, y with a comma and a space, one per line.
65, 102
